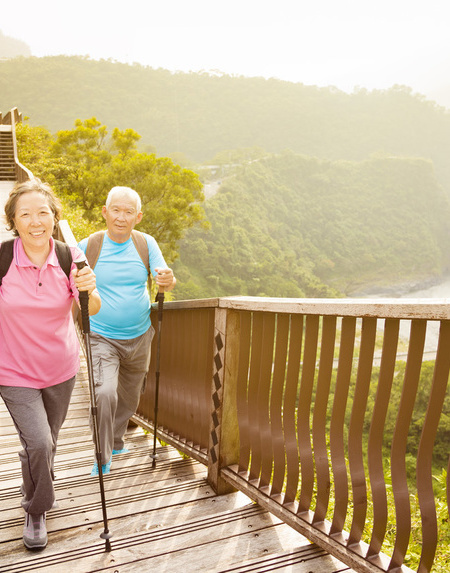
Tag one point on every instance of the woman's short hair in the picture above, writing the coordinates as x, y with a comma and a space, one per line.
30, 186
124, 192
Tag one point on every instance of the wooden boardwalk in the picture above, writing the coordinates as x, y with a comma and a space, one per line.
163, 519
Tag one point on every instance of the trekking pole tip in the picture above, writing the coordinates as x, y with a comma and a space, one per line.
106, 535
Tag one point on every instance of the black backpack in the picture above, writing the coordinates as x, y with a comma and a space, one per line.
62, 252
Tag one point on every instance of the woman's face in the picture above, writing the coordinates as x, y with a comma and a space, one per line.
34, 221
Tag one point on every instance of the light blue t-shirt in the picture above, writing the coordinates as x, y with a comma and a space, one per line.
122, 284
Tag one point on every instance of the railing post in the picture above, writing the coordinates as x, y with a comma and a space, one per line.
224, 433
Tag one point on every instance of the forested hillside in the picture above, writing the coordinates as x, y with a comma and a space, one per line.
200, 115
322, 193
296, 226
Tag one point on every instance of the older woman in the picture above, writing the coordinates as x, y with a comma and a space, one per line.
39, 352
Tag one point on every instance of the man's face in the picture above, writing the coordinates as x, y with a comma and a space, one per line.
121, 216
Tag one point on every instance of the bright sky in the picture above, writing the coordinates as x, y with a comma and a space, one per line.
343, 43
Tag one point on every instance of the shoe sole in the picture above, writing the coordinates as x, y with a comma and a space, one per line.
42, 545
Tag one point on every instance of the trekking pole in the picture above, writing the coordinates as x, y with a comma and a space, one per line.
160, 300
84, 305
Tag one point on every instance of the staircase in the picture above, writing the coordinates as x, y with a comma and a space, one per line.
7, 163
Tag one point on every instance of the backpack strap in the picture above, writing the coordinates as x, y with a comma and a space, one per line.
94, 247
6, 257
140, 242
64, 255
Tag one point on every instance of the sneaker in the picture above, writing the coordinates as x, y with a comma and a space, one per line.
106, 468
122, 451
34, 531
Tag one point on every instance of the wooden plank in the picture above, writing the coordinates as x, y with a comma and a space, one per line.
304, 559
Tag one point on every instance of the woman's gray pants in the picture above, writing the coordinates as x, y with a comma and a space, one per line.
38, 416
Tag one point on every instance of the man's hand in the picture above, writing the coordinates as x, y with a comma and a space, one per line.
165, 279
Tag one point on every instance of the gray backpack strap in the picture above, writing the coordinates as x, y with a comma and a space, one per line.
140, 242
94, 247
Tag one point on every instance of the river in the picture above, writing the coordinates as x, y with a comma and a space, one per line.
438, 291
441, 290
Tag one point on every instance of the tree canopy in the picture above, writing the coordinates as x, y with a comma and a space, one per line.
84, 163
293, 226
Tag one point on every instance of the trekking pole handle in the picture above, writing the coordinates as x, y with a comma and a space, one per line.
159, 298
84, 302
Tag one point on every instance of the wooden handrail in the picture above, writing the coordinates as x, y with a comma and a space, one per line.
11, 119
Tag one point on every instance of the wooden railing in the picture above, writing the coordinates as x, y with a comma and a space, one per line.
293, 401
11, 119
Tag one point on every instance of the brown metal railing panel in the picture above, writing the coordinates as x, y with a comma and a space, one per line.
252, 396
185, 395
198, 386
337, 423
290, 408
319, 425
399, 442
147, 402
173, 363
304, 409
266, 357
198, 361
376, 435
205, 360
185, 384
425, 453
242, 394
276, 404
355, 435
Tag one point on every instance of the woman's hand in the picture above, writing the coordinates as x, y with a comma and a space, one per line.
84, 279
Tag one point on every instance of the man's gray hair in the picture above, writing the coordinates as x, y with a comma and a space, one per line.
124, 192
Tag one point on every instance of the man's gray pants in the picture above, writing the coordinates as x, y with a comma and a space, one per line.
120, 368
38, 416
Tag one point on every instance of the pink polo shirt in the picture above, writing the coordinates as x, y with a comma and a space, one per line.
38, 343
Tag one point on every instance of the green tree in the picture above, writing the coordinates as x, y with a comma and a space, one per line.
83, 164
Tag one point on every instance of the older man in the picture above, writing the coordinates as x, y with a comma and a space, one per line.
121, 332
